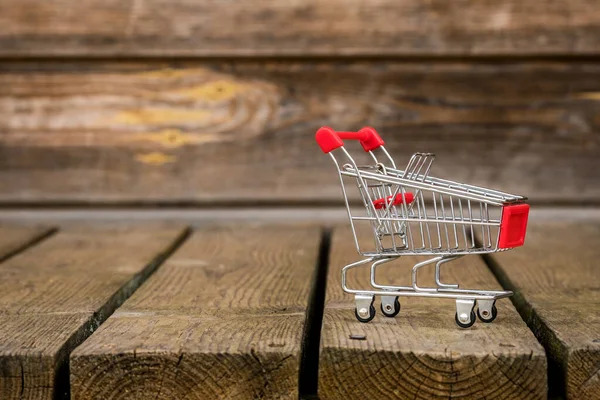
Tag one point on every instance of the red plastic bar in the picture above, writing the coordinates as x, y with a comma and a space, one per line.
329, 140
382, 203
513, 226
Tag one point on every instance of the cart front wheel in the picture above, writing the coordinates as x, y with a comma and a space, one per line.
465, 324
486, 316
364, 315
390, 309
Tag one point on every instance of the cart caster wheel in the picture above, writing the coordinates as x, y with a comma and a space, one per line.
486, 316
466, 324
390, 309
363, 316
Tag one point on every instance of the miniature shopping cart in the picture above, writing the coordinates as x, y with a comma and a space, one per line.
412, 213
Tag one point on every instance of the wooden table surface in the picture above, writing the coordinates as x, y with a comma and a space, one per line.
136, 310
169, 228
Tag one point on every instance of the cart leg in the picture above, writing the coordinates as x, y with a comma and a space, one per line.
350, 266
374, 266
365, 311
437, 273
486, 310
465, 316
416, 269
390, 306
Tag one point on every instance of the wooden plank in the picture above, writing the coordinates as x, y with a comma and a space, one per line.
244, 132
555, 277
421, 353
312, 27
223, 318
15, 238
33, 350
56, 294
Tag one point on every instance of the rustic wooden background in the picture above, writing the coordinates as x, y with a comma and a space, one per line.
204, 102
158, 110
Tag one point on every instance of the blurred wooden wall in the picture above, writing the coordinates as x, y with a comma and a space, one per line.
134, 102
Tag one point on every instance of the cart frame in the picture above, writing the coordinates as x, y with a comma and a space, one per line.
403, 223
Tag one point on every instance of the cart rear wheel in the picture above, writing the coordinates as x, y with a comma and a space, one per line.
488, 318
390, 310
465, 324
362, 316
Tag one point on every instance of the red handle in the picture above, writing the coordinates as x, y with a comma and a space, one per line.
329, 140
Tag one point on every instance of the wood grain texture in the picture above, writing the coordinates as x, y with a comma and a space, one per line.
421, 353
223, 318
33, 350
244, 131
313, 27
556, 278
56, 294
15, 238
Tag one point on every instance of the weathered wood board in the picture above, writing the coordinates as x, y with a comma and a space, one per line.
15, 238
55, 294
421, 353
243, 132
223, 318
556, 280
312, 27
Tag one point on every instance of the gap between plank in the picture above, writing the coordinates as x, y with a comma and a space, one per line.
62, 388
555, 351
308, 373
217, 203
30, 243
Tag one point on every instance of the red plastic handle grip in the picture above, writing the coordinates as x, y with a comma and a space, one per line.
399, 199
329, 140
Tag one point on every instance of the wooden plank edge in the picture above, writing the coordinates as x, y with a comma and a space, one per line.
40, 236
62, 389
196, 217
556, 352
308, 372
7, 205
248, 359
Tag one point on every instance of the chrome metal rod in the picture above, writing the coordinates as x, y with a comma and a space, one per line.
441, 285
